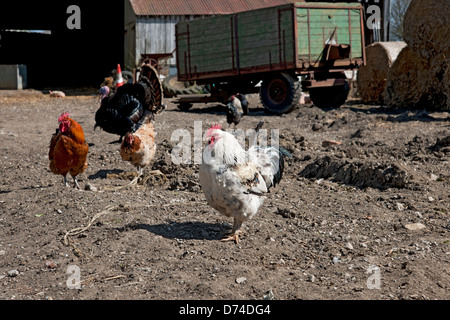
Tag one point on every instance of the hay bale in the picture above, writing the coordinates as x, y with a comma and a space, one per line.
416, 83
439, 81
426, 27
419, 78
372, 78
446, 83
405, 85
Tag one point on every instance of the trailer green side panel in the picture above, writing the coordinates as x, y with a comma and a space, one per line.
322, 23
246, 42
266, 37
206, 45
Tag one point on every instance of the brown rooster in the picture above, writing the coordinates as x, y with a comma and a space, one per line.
68, 149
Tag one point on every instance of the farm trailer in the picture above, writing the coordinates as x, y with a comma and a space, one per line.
279, 45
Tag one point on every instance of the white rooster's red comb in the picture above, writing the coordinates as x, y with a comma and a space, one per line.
215, 126
63, 116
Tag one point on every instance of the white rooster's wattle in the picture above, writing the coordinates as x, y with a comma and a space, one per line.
234, 180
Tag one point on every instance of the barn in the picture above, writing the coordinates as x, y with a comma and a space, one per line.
39, 35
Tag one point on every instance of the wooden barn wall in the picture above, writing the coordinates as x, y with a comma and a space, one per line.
156, 34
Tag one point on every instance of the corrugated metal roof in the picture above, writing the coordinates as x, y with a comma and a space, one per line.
199, 7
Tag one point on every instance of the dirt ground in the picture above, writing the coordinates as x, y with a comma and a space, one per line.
368, 218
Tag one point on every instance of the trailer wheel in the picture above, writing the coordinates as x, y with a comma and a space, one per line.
280, 93
330, 97
172, 87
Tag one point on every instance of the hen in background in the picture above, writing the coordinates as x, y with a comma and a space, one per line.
120, 112
68, 149
234, 180
108, 82
236, 108
57, 94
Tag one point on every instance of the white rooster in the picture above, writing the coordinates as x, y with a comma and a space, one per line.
234, 180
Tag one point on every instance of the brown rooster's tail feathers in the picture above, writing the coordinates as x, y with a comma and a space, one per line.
148, 117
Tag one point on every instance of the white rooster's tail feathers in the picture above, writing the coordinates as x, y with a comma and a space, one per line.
270, 163
270, 160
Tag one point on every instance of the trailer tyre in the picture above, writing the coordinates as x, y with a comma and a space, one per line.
172, 87
330, 97
280, 93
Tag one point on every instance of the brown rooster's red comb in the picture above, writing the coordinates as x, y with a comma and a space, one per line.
63, 116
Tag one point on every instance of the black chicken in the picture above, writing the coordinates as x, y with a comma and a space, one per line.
236, 108
120, 113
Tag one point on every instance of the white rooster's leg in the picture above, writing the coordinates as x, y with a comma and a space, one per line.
234, 235
140, 171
